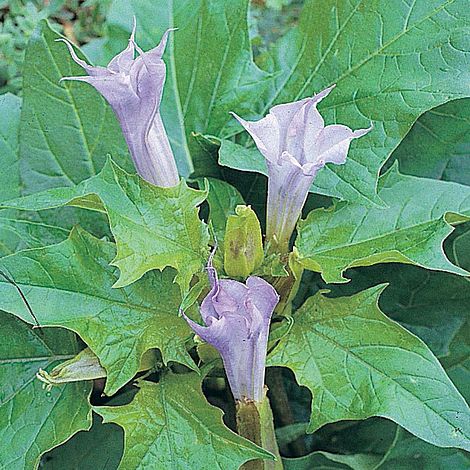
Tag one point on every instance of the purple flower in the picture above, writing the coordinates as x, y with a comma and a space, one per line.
133, 87
237, 318
296, 144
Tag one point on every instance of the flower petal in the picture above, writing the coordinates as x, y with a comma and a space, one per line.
265, 133
263, 295
333, 143
133, 88
123, 61
90, 69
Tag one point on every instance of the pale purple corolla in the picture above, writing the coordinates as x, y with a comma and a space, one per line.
296, 144
237, 318
133, 87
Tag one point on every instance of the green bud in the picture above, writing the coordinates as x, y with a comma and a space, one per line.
243, 245
85, 366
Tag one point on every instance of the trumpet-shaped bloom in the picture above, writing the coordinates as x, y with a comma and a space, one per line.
133, 87
296, 144
237, 318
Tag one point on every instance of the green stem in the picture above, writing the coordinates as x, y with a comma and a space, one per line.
255, 422
287, 286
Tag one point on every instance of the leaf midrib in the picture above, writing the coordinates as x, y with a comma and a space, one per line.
73, 106
378, 371
360, 242
106, 300
380, 49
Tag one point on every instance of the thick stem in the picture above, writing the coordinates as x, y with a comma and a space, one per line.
281, 407
255, 422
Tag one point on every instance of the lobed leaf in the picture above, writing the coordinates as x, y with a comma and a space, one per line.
33, 420
153, 227
358, 363
182, 430
411, 230
391, 61
70, 285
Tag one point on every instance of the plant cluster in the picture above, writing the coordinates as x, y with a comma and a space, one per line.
185, 230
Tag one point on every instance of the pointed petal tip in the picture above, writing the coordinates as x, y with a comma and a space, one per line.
82, 78
166, 34
327, 90
73, 54
239, 119
198, 329
134, 27
316, 98
361, 132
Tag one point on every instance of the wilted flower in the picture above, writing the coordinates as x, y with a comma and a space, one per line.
237, 318
133, 87
296, 144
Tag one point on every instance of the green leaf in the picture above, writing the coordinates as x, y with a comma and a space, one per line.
33, 420
410, 230
70, 285
406, 452
182, 430
101, 448
380, 369
153, 227
222, 199
391, 61
409, 452
21, 234
438, 145
329, 461
210, 69
67, 130
10, 108
432, 305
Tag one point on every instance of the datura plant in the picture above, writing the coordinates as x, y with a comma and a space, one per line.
210, 260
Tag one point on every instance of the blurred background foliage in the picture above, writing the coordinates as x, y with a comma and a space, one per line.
80, 20
84, 23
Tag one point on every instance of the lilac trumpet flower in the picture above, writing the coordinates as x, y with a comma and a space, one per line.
296, 144
133, 87
237, 318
